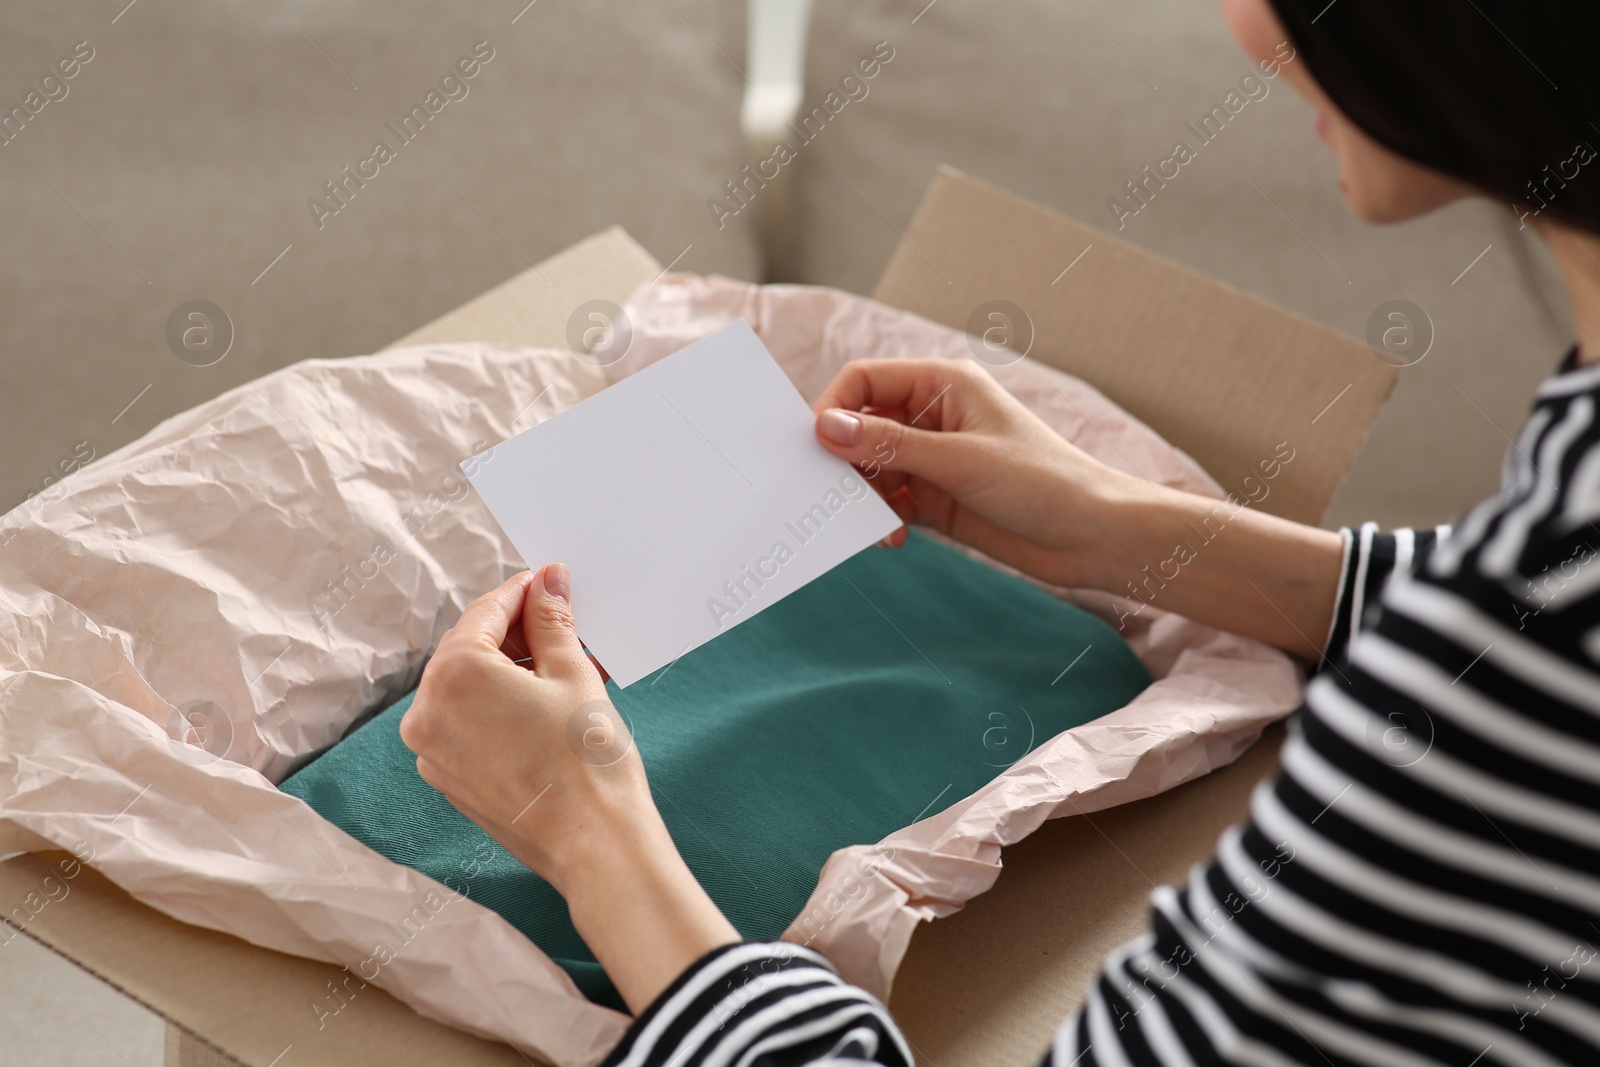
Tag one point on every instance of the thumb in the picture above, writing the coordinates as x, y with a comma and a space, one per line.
872, 439
547, 624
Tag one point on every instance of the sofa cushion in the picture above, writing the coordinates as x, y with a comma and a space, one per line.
184, 154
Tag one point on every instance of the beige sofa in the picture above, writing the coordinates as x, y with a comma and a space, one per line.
183, 161
180, 163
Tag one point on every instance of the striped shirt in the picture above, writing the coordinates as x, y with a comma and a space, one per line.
1420, 884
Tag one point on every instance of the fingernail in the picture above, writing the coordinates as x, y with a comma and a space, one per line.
840, 427
558, 581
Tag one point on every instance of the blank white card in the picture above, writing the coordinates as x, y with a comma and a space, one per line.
686, 498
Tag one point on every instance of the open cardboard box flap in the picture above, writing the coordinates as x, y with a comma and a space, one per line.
1222, 375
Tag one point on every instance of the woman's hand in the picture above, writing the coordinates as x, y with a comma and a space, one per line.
538, 757
950, 449
492, 735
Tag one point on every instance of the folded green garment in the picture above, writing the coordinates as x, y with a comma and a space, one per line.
889, 688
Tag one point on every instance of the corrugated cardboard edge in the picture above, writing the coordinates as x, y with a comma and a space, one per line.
204, 978
22, 874
1124, 320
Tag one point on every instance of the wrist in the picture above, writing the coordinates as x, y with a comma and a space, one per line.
612, 849
1222, 563
1131, 523
639, 908
613, 828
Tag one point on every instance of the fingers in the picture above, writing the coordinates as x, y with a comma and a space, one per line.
909, 384
512, 648
514, 651
547, 625
488, 619
894, 540
546, 642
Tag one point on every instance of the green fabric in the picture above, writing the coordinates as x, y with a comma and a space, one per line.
891, 687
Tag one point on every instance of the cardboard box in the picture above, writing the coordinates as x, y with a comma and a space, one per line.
1221, 374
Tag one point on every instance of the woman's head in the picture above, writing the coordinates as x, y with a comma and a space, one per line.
1426, 102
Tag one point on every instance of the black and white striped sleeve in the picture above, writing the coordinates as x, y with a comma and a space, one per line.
1421, 883
1370, 556
762, 1005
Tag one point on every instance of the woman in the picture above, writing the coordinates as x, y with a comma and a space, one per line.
1422, 885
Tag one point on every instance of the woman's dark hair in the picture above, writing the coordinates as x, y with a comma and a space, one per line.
1502, 94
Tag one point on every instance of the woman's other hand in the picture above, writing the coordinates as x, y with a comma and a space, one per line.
950, 449
539, 758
